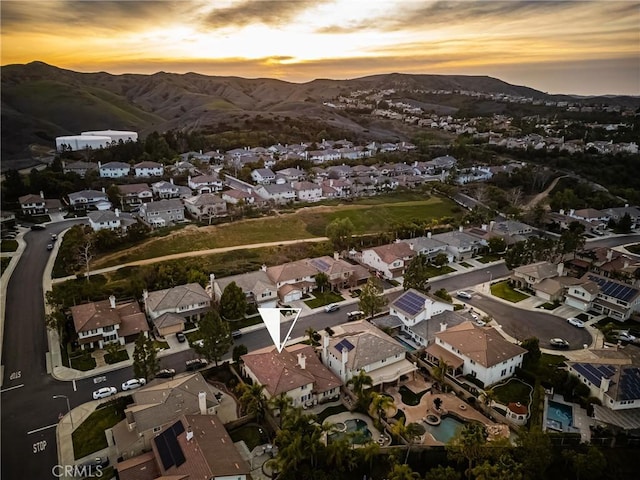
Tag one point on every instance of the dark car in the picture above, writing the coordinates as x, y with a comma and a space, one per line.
195, 364
559, 343
166, 373
38, 227
101, 462
181, 338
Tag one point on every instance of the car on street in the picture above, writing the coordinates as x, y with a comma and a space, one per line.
54, 237
104, 392
181, 338
94, 463
236, 334
50, 246
474, 315
355, 315
576, 322
334, 307
559, 343
623, 335
463, 294
37, 226
195, 364
166, 373
133, 383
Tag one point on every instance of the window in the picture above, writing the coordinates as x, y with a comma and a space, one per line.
156, 429
108, 329
503, 372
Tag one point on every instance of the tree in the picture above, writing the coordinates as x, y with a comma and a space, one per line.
402, 472
313, 336
340, 232
281, 403
322, 280
84, 252
253, 400
624, 224
368, 453
216, 337
587, 466
441, 260
532, 346
504, 469
57, 321
113, 348
440, 372
238, 351
359, 382
443, 473
233, 302
497, 245
417, 274
380, 404
468, 445
372, 298
443, 294
534, 451
145, 357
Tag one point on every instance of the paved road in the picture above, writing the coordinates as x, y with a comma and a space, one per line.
29, 413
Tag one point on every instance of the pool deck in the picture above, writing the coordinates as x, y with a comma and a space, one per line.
581, 422
450, 404
341, 417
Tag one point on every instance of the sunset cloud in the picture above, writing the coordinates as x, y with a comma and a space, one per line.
302, 40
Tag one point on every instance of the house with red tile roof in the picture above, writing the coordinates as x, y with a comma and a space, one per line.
390, 260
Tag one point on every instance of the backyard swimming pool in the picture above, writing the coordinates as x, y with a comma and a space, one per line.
406, 345
447, 428
559, 416
355, 426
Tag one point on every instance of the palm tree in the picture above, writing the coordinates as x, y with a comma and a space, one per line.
253, 400
489, 396
368, 452
281, 403
402, 472
359, 382
380, 404
312, 333
440, 371
412, 432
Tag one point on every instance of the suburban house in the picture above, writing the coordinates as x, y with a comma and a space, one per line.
190, 301
164, 190
205, 206
291, 174
263, 175
168, 324
389, 260
582, 295
292, 279
257, 286
616, 386
205, 183
110, 220
89, 198
33, 204
460, 244
615, 299
79, 168
195, 446
280, 194
234, 197
148, 169
616, 214
307, 191
158, 405
427, 246
477, 351
359, 345
134, 194
114, 169
545, 279
296, 372
99, 323
341, 273
421, 316
162, 212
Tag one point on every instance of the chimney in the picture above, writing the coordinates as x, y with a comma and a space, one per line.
560, 269
112, 301
117, 212
428, 234
99, 165
202, 402
491, 225
609, 255
345, 359
336, 256
572, 212
561, 211
212, 278
325, 346
428, 307
302, 361
103, 190
411, 246
460, 228
626, 262
41, 194
189, 434
605, 382
145, 295
484, 227
443, 326
171, 180
263, 267
626, 205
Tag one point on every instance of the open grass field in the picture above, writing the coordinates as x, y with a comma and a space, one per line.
367, 217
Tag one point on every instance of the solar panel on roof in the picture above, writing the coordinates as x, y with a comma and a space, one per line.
614, 289
320, 264
410, 302
177, 428
163, 452
344, 343
168, 447
630, 384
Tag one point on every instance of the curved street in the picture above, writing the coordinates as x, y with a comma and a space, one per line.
30, 414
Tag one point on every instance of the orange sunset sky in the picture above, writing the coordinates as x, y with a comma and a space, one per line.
559, 47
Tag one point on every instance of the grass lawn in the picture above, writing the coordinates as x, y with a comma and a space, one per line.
635, 248
251, 434
409, 397
367, 218
120, 356
548, 306
323, 298
333, 410
4, 263
89, 437
491, 257
9, 245
514, 391
466, 265
504, 291
83, 362
160, 345
433, 271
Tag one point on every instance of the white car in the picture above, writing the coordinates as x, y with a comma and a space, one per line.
198, 343
133, 383
355, 315
576, 322
624, 335
104, 392
334, 307
463, 294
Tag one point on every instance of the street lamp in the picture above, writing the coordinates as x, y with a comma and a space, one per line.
68, 407
490, 276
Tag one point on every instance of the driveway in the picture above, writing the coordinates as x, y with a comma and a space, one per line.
521, 323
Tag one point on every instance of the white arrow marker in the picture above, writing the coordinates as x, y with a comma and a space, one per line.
271, 318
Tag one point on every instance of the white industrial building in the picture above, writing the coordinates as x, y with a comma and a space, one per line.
82, 142
115, 135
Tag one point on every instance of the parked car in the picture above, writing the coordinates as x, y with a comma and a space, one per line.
576, 322
133, 383
195, 364
463, 294
181, 338
559, 343
37, 226
355, 315
198, 343
236, 334
94, 463
623, 335
104, 392
9, 236
334, 307
50, 246
54, 237
166, 373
